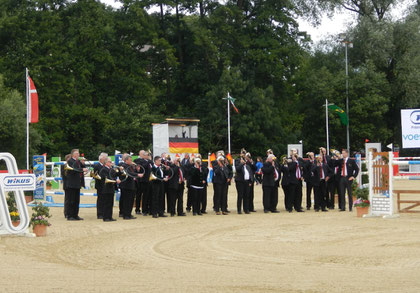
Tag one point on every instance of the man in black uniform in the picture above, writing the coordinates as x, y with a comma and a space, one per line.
307, 176
98, 185
220, 181
348, 170
74, 183
157, 185
143, 184
176, 188
128, 189
108, 189
243, 183
296, 171
271, 178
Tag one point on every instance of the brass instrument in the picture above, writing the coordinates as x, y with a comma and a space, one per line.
94, 174
110, 181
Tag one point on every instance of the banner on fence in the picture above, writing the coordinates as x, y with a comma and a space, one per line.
39, 172
410, 128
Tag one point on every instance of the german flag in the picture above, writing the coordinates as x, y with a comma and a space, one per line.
183, 145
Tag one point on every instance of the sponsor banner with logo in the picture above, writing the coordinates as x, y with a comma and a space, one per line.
39, 172
410, 128
13, 182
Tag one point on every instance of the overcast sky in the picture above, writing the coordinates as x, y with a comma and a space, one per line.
329, 26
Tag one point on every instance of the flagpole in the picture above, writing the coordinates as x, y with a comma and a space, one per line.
27, 119
326, 123
228, 115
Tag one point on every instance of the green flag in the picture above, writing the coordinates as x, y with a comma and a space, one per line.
343, 116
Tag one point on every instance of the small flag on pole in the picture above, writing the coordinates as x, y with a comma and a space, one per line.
229, 157
343, 115
32, 100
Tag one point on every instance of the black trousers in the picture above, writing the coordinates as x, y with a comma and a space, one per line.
270, 198
345, 184
189, 198
196, 195
128, 199
157, 195
309, 187
99, 204
251, 197
66, 203
333, 189
291, 196
142, 189
203, 199
166, 192
225, 195
176, 199
321, 195
288, 199
108, 200
146, 203
73, 195
219, 197
243, 191
298, 196
162, 198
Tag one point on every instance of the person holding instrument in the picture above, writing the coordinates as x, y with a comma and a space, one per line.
322, 173
98, 185
242, 182
198, 179
158, 171
109, 178
74, 174
176, 188
128, 187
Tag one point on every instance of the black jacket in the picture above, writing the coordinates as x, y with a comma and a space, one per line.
111, 174
147, 165
293, 170
74, 178
128, 182
240, 172
220, 174
316, 171
64, 177
352, 168
197, 177
174, 183
97, 169
285, 175
269, 173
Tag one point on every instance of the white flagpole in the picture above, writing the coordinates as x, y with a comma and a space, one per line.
228, 110
27, 118
326, 122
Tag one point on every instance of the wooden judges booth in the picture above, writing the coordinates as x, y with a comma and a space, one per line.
175, 136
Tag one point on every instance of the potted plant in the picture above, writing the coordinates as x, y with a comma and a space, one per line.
11, 204
362, 206
29, 196
39, 219
15, 218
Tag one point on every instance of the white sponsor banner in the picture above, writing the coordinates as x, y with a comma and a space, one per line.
12, 182
410, 128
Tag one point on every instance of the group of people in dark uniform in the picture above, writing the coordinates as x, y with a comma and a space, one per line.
323, 174
146, 183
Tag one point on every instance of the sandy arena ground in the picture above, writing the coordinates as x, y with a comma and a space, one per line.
305, 252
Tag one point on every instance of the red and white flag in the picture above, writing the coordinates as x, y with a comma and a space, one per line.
32, 100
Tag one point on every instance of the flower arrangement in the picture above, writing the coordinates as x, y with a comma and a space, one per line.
14, 216
40, 215
362, 203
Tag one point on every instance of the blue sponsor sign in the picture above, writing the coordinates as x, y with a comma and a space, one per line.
39, 172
